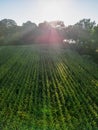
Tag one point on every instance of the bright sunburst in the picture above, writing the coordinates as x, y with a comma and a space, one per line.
53, 9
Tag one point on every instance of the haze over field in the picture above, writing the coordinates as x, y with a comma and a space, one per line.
69, 11
48, 65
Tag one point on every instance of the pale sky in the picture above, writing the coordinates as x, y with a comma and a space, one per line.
69, 11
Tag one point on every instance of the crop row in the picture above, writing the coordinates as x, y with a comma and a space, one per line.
47, 89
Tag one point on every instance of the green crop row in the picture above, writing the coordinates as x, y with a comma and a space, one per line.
47, 88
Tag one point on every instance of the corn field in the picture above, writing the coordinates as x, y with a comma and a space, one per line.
47, 88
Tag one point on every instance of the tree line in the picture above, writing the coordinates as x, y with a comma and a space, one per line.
84, 33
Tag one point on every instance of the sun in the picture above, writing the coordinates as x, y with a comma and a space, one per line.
53, 9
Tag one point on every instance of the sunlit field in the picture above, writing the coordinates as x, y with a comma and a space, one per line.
44, 87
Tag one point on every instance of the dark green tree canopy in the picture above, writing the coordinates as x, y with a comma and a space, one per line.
8, 23
29, 24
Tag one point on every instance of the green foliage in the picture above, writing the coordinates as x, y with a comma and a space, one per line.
47, 88
83, 31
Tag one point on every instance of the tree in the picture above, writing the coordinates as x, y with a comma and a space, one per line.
29, 25
86, 24
95, 34
8, 23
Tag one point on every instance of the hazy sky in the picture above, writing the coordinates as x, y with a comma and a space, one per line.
69, 11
